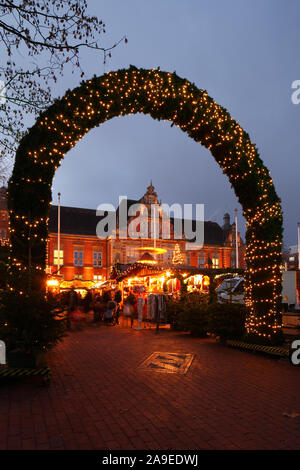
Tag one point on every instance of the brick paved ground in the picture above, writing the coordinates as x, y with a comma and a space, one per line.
98, 399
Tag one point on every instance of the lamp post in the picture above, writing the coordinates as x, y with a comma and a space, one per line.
154, 230
297, 306
29, 253
236, 240
58, 232
298, 224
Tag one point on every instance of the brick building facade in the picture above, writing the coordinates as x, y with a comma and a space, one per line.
86, 257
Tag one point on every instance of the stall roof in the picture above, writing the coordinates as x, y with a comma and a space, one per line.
122, 271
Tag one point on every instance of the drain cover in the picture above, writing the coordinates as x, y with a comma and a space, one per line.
174, 363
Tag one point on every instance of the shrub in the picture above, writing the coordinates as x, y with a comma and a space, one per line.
195, 319
195, 313
189, 313
173, 309
28, 323
227, 320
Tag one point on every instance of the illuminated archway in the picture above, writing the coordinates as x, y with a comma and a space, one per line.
165, 96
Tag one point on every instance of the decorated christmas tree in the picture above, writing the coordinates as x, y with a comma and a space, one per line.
178, 257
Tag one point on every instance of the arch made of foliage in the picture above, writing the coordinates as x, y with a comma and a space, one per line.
163, 96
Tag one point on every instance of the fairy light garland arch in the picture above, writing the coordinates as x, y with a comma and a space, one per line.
164, 96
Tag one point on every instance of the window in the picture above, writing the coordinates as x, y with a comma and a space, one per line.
228, 285
117, 258
188, 258
215, 261
97, 259
168, 256
78, 257
201, 260
61, 257
97, 277
78, 276
131, 254
240, 288
232, 259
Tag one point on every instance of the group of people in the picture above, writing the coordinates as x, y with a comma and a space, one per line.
144, 306
109, 305
129, 307
105, 307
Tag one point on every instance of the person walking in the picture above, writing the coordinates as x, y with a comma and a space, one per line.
72, 305
110, 312
106, 296
97, 308
87, 301
118, 300
130, 302
140, 305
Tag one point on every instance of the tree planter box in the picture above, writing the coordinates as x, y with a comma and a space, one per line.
20, 359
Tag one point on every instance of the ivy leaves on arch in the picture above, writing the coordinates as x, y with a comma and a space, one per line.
164, 96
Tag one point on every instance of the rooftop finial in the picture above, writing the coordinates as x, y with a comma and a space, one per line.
150, 196
150, 188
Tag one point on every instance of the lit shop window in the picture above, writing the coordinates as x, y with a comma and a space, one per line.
78, 257
215, 261
97, 277
61, 257
97, 259
79, 277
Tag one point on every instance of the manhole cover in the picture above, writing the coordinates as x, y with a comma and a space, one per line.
174, 363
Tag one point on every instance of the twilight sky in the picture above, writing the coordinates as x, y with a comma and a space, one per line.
244, 53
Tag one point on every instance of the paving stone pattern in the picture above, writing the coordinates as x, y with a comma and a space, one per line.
100, 398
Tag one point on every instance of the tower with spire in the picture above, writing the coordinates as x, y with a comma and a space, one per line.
150, 196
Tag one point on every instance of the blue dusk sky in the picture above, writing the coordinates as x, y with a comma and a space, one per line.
244, 53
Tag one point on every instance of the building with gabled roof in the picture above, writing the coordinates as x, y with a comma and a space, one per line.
86, 257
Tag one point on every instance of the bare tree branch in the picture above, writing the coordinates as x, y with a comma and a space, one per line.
52, 33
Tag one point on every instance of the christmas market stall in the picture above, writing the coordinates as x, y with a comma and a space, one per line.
144, 280
150, 278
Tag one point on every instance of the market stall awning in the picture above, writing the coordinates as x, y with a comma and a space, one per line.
77, 284
122, 271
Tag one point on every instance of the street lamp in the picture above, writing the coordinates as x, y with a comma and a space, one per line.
298, 224
236, 240
58, 232
297, 306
